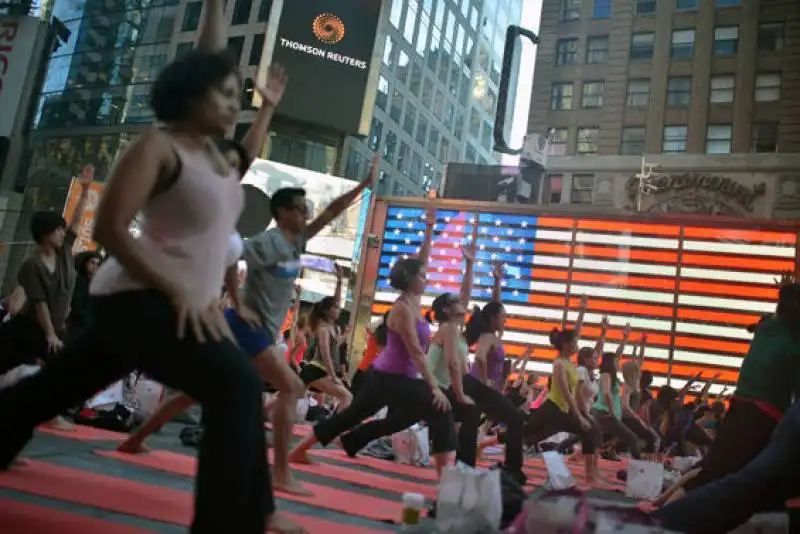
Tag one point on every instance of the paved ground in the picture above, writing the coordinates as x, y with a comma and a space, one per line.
81, 455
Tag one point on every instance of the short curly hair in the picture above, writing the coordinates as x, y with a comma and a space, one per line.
188, 79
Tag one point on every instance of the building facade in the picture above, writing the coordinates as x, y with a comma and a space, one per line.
437, 92
684, 77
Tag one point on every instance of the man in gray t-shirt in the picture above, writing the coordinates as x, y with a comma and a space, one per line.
273, 265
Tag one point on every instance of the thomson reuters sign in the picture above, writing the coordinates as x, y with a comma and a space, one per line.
328, 50
329, 30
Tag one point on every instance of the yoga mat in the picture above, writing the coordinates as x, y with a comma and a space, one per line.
326, 497
127, 497
186, 465
19, 517
298, 430
84, 433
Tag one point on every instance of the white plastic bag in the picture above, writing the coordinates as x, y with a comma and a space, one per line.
411, 446
684, 464
469, 501
302, 409
148, 395
558, 474
645, 480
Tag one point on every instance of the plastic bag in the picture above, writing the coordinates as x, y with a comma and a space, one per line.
411, 446
645, 480
470, 500
559, 476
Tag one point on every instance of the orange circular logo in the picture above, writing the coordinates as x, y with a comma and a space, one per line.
328, 28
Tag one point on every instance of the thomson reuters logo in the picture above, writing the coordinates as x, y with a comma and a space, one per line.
328, 28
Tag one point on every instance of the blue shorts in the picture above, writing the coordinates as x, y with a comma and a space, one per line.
252, 340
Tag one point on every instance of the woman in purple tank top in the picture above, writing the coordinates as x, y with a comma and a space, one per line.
485, 380
400, 378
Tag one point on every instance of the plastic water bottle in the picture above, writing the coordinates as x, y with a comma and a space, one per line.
413, 503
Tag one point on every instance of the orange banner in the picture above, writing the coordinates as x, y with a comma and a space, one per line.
86, 225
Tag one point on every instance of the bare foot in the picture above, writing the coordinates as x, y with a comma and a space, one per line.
132, 447
290, 485
278, 523
300, 456
59, 423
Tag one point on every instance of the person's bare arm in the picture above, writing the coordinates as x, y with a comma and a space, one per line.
626, 403
497, 289
601, 341
213, 35
455, 366
271, 95
468, 252
129, 186
605, 384
560, 378
29, 279
427, 240
337, 293
232, 285
626, 334
340, 204
16, 301
403, 321
581, 314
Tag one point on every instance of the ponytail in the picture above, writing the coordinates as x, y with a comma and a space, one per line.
560, 338
476, 327
381, 331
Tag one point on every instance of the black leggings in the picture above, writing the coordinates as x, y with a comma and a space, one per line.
136, 330
548, 419
358, 381
628, 430
487, 400
406, 397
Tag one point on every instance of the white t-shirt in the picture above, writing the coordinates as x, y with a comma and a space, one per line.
589, 384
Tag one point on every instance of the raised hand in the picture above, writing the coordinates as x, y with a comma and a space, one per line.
272, 91
604, 322
584, 302
626, 331
497, 269
374, 170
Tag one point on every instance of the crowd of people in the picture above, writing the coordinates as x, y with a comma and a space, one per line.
152, 303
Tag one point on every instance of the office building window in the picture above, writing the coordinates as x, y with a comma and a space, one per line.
679, 91
597, 49
382, 95
558, 142
389, 53
686, 4
645, 7
675, 138
638, 93
768, 87
566, 51
235, 47
718, 139
422, 131
570, 10
183, 49
444, 150
390, 147
726, 40
433, 141
722, 88
601, 9
383, 183
409, 121
592, 94
241, 12
727, 3
375, 134
396, 111
561, 96
403, 158
582, 188
682, 44
642, 45
632, 141
552, 189
256, 49
263, 10
770, 37
191, 16
764, 137
587, 140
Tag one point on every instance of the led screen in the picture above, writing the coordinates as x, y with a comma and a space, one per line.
692, 290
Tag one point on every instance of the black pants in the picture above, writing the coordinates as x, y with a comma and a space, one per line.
762, 484
23, 342
548, 419
359, 379
137, 330
627, 430
745, 432
405, 397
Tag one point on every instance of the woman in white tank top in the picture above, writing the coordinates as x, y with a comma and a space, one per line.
156, 299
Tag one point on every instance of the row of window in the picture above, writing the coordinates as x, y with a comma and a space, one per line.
242, 12
602, 9
764, 138
642, 45
679, 91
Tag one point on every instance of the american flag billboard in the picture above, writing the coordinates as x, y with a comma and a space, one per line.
692, 289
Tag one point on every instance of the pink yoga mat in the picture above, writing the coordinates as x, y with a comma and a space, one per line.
18, 517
